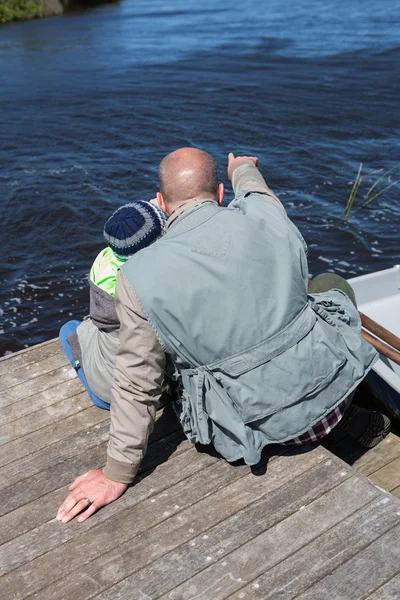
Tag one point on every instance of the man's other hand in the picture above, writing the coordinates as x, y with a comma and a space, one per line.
89, 492
234, 162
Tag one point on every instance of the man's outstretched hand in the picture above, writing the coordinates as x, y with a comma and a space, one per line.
234, 162
89, 492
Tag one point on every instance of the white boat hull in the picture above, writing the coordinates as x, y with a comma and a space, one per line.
378, 296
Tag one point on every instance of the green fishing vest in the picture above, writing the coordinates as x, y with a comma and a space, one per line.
260, 361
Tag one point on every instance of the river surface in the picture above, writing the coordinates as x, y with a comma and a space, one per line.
91, 102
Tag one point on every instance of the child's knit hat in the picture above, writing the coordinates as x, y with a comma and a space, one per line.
133, 227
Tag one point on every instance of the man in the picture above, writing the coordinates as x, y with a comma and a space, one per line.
259, 360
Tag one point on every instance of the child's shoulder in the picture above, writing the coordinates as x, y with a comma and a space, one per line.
108, 257
104, 270
105, 254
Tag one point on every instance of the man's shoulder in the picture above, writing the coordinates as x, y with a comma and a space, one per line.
253, 202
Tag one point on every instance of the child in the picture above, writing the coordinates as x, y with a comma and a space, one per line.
91, 345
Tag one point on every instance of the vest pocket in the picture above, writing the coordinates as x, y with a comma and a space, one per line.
190, 407
287, 379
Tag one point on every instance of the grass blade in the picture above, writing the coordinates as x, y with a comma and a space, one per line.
385, 174
365, 203
353, 193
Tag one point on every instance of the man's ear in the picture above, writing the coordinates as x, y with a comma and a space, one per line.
161, 203
220, 193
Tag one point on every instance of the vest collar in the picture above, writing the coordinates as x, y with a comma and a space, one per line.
184, 209
190, 219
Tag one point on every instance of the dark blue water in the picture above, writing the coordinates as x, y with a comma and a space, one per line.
91, 102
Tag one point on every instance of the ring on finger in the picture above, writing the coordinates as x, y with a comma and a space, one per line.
87, 501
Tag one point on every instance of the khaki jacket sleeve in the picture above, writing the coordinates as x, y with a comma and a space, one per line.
247, 178
136, 389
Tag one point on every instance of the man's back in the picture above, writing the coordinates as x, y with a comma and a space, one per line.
259, 361
217, 264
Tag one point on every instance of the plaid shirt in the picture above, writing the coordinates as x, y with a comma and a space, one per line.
323, 427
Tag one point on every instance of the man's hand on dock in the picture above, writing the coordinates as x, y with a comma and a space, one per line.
89, 492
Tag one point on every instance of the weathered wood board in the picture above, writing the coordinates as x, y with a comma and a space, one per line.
192, 527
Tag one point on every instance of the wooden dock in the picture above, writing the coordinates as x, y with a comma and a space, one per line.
192, 527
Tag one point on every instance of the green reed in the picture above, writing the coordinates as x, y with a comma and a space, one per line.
373, 192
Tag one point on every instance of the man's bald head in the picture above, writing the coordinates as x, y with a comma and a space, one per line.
186, 174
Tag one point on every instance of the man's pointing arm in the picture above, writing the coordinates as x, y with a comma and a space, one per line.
245, 176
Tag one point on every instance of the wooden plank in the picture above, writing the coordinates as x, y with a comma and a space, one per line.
389, 476
33, 476
376, 458
396, 492
320, 557
29, 405
81, 548
165, 556
33, 442
28, 356
21, 473
32, 513
177, 526
16, 376
363, 574
36, 385
41, 418
251, 559
389, 591
36, 513
51, 534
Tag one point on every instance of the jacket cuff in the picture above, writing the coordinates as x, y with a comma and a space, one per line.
237, 169
120, 472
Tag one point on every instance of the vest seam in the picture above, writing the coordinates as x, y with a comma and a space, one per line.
149, 320
216, 364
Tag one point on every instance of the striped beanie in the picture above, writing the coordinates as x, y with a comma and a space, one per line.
132, 227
